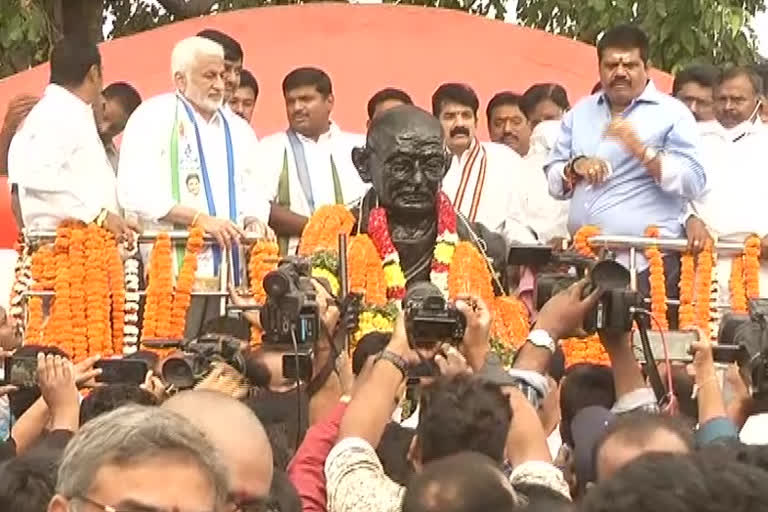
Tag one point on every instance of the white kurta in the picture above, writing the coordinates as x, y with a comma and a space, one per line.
502, 165
144, 178
334, 143
59, 163
534, 216
733, 206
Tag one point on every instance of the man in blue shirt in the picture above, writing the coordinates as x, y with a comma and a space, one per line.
626, 156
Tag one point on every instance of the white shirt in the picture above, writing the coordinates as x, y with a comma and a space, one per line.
502, 165
534, 215
334, 143
59, 163
733, 204
144, 173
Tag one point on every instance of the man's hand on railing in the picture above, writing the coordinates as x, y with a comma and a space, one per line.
697, 234
224, 231
254, 225
118, 226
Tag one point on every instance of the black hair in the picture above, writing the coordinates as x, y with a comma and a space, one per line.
704, 75
624, 37
502, 99
369, 345
393, 452
390, 93
537, 93
125, 94
680, 483
232, 49
585, 385
280, 407
455, 93
71, 60
283, 448
23, 399
308, 77
28, 482
543, 499
635, 428
248, 80
283, 496
736, 71
463, 482
597, 87
463, 413
108, 398
191, 177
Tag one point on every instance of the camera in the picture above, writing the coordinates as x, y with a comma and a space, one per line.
429, 318
290, 313
750, 334
617, 303
198, 356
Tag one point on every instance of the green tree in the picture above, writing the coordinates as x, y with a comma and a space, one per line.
681, 32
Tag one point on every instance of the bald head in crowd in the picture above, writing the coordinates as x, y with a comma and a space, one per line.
238, 436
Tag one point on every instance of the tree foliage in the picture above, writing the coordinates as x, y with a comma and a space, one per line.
681, 32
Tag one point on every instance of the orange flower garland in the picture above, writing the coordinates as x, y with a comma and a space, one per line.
703, 288
323, 228
686, 313
59, 327
736, 285
34, 331
117, 291
469, 274
77, 292
752, 267
510, 321
581, 240
263, 259
366, 275
184, 283
21, 283
584, 350
657, 282
97, 294
157, 310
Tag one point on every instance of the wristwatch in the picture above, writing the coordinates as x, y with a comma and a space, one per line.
542, 339
399, 363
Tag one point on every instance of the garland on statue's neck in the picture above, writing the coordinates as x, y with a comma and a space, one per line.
657, 282
445, 244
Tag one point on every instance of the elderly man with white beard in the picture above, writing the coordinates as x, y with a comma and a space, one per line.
183, 163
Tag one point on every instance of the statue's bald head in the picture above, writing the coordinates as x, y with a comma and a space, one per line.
236, 433
404, 158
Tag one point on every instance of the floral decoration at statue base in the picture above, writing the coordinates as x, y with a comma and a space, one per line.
374, 271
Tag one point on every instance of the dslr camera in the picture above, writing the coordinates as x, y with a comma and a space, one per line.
748, 335
198, 356
429, 318
617, 303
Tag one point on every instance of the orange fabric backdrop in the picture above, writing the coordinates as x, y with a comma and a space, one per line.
362, 47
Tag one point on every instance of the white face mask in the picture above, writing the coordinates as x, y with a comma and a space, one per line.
743, 127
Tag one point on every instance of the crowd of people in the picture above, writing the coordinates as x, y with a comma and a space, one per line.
364, 434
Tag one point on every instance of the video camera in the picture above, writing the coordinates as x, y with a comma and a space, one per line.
290, 313
749, 335
198, 356
429, 318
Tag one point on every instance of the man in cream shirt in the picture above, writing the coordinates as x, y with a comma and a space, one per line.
57, 157
184, 163
734, 147
481, 178
310, 164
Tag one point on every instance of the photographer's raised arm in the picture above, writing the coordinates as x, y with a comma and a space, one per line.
714, 423
631, 390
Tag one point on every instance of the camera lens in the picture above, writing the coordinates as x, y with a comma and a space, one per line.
276, 284
176, 371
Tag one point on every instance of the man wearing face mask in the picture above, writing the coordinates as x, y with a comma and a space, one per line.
309, 165
732, 147
479, 176
174, 138
627, 156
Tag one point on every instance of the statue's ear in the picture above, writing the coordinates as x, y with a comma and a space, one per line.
360, 158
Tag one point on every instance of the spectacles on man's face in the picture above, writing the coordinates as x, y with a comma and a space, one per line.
129, 507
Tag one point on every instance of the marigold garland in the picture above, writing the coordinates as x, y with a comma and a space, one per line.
704, 267
117, 292
97, 294
22, 282
158, 301
581, 240
736, 285
584, 350
366, 276
469, 274
263, 259
752, 267
77, 292
323, 228
686, 313
34, 331
510, 322
657, 281
58, 330
184, 283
